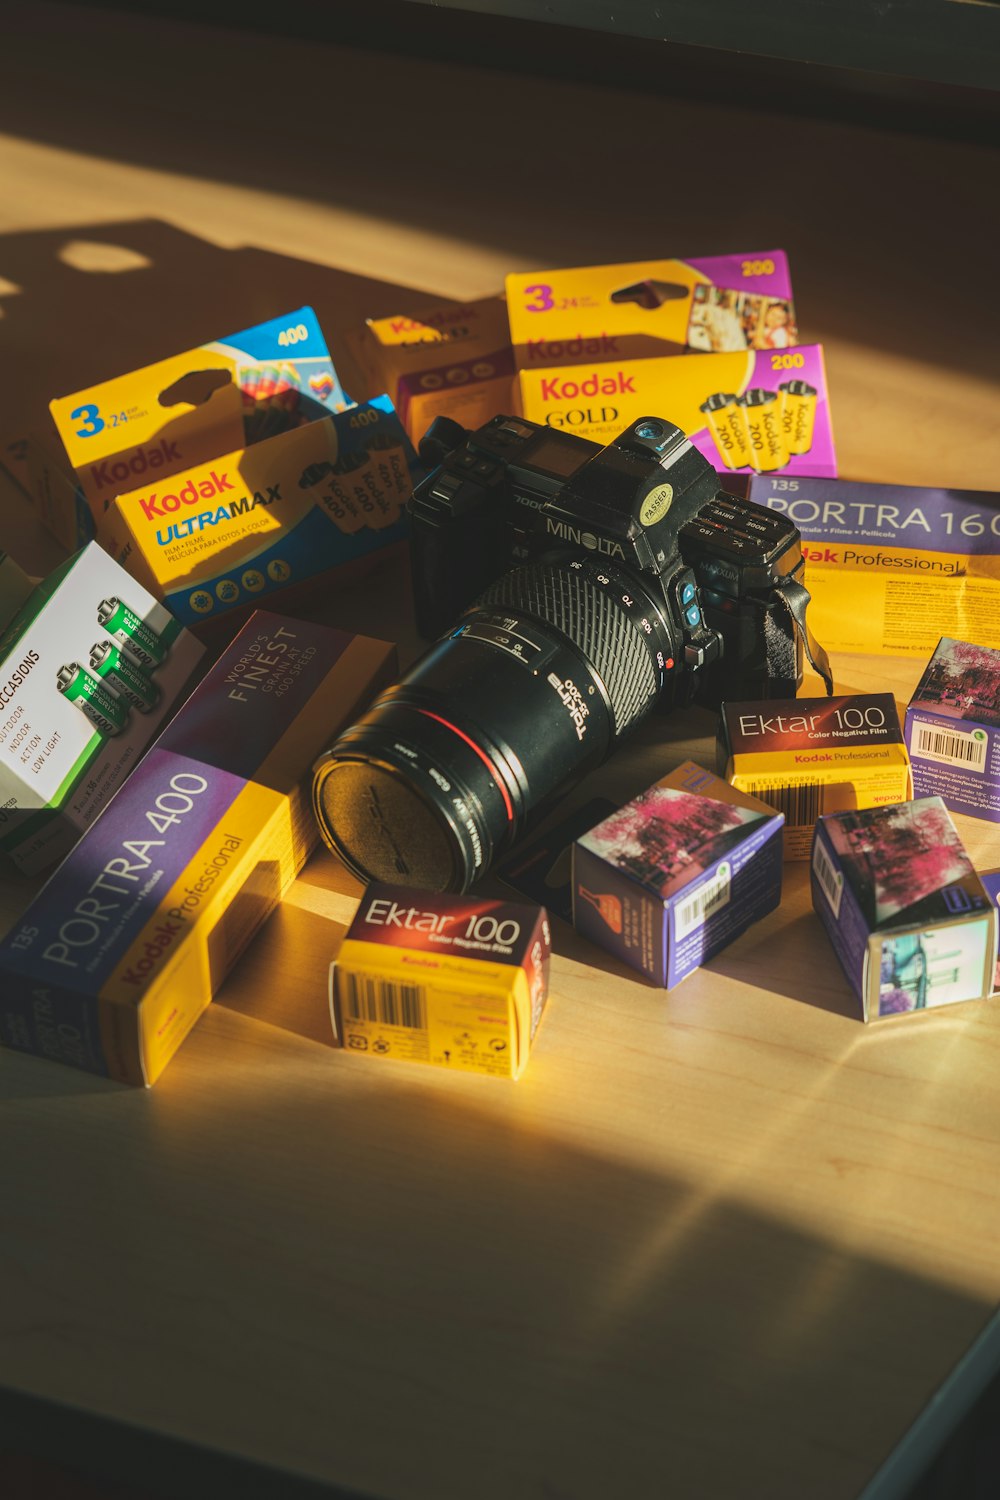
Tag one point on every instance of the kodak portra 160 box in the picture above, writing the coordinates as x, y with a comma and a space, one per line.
676, 874
267, 518
446, 361
906, 913
756, 411
953, 729
90, 667
125, 945
174, 414
806, 756
460, 981
892, 568
716, 304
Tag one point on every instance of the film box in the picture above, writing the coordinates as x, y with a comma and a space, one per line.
123, 948
953, 729
893, 567
266, 519
807, 756
458, 981
677, 874
750, 412
640, 309
991, 884
446, 361
172, 415
91, 666
908, 917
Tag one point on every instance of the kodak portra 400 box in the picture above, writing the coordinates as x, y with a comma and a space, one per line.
676, 874
125, 945
953, 729
908, 917
265, 519
90, 668
460, 981
806, 756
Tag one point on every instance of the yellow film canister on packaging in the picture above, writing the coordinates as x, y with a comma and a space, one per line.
798, 415
762, 413
727, 425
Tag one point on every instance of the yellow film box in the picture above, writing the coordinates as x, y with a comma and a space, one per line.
753, 412
459, 981
265, 519
715, 304
446, 361
124, 947
893, 567
807, 757
166, 417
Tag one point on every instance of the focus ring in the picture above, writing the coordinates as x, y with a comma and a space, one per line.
594, 621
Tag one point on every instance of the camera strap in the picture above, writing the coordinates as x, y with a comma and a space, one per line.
795, 597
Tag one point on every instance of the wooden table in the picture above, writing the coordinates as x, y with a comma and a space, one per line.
723, 1242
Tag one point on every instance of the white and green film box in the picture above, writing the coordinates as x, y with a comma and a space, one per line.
91, 668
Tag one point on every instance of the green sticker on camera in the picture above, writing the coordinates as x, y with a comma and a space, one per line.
656, 504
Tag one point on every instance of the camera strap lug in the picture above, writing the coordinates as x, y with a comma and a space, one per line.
795, 597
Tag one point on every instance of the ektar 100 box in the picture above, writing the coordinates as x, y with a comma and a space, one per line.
908, 917
953, 729
640, 309
807, 756
452, 360
758, 411
452, 980
174, 414
123, 948
892, 568
91, 666
676, 874
310, 503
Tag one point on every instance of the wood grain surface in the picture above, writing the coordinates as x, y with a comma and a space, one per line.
724, 1242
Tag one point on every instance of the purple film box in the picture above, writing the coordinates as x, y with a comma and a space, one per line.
991, 881
909, 919
673, 876
953, 729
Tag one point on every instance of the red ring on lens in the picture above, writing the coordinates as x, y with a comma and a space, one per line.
483, 757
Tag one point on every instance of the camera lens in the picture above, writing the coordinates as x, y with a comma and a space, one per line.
535, 685
649, 430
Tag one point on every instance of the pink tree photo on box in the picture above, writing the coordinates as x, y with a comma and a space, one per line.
963, 680
895, 856
665, 837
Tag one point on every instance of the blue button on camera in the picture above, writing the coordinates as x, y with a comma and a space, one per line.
687, 593
693, 616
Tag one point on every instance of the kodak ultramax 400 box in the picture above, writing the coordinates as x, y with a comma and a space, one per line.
676, 874
175, 414
446, 361
266, 519
90, 667
953, 729
125, 945
891, 568
600, 346
460, 981
908, 917
807, 756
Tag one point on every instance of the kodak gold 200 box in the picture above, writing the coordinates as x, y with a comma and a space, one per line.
123, 948
460, 981
807, 756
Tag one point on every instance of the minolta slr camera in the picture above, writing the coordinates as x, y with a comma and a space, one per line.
576, 587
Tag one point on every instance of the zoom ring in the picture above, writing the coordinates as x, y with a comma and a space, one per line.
595, 622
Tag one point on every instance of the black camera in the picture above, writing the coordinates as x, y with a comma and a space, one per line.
596, 582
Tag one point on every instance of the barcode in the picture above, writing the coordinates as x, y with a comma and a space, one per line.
699, 906
829, 877
801, 805
365, 999
955, 748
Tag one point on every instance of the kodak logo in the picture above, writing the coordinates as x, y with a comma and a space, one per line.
188, 494
118, 471
544, 351
556, 388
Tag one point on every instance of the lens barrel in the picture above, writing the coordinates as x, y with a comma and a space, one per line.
532, 689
